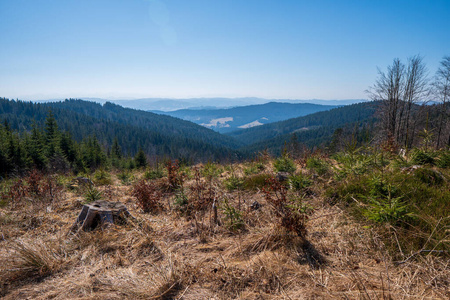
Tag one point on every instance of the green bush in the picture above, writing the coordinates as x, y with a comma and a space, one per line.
234, 183
181, 202
256, 181
126, 177
284, 164
254, 168
429, 176
102, 177
417, 204
233, 217
92, 194
443, 160
318, 165
385, 202
390, 210
250, 170
211, 170
299, 182
422, 157
358, 164
155, 173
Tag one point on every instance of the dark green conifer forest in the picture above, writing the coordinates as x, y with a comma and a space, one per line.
82, 136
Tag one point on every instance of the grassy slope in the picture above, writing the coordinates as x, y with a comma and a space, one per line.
169, 256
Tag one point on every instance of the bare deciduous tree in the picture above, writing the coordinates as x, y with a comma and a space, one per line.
389, 89
416, 89
399, 89
441, 89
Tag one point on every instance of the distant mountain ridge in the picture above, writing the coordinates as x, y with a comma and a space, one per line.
172, 104
231, 119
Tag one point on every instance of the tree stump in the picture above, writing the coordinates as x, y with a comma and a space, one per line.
100, 213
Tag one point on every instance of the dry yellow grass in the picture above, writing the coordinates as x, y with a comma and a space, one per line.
167, 256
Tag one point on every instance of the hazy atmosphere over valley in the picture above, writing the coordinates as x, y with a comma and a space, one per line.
226, 149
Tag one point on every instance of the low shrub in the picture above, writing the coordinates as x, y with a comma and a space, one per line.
174, 175
318, 165
385, 203
254, 168
357, 163
443, 160
33, 181
15, 192
429, 176
422, 157
299, 182
414, 203
202, 192
234, 183
284, 164
387, 209
125, 177
102, 177
181, 203
291, 212
92, 194
233, 217
154, 173
211, 170
35, 186
256, 181
148, 196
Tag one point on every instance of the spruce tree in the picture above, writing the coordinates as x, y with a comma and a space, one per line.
51, 135
140, 159
35, 148
116, 151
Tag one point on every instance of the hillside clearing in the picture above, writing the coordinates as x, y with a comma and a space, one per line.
169, 255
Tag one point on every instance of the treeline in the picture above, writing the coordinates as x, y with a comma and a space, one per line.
48, 149
319, 130
130, 129
165, 125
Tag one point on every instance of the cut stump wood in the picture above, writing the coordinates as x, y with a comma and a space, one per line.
100, 213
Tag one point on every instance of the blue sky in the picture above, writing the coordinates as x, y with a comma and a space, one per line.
211, 48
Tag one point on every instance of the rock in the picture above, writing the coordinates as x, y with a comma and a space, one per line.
83, 181
282, 176
100, 213
255, 205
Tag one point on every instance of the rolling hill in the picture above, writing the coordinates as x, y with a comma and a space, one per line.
162, 135
231, 119
158, 135
311, 130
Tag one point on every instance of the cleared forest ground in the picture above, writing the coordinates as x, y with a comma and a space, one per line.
172, 254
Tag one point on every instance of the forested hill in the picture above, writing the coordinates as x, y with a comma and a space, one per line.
157, 135
230, 119
163, 124
311, 130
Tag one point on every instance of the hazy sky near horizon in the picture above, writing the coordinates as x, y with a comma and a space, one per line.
212, 48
